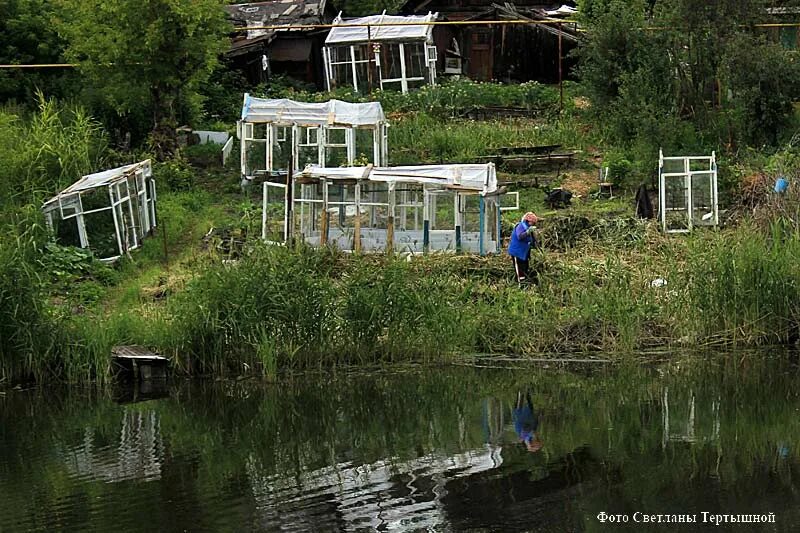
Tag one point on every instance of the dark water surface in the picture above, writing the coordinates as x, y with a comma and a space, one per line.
436, 449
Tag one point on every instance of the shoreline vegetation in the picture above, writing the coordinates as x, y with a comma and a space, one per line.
261, 310
273, 309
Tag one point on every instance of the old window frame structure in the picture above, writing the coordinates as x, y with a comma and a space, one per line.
684, 200
132, 199
309, 128
373, 209
356, 43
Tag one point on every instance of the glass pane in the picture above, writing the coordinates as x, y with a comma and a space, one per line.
415, 60
70, 205
281, 148
96, 199
275, 209
364, 146
255, 157
66, 231
101, 233
390, 61
336, 157
336, 136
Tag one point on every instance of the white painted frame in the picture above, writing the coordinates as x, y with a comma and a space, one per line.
687, 176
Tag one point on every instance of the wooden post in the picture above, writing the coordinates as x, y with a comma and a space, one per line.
390, 220
426, 223
482, 223
357, 224
323, 224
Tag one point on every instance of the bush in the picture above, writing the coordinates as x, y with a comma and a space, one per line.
175, 173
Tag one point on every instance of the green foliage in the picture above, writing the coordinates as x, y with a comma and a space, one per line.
764, 82
46, 153
152, 53
175, 173
26, 329
748, 286
222, 95
204, 155
450, 98
28, 37
294, 309
658, 75
421, 138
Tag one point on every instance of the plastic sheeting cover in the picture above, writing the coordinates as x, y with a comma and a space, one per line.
101, 179
563, 10
332, 112
481, 178
406, 31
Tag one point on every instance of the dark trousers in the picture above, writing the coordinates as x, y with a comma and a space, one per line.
520, 269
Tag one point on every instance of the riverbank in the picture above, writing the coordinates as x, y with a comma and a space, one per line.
224, 303
279, 309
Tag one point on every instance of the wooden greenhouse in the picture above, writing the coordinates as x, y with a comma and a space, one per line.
109, 212
274, 132
412, 209
381, 52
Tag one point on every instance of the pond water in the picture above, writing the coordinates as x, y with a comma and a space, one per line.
437, 449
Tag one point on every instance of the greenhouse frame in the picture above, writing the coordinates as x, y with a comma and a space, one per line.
274, 132
687, 192
108, 212
386, 52
413, 209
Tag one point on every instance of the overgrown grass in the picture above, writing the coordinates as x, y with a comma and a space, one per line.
421, 138
46, 152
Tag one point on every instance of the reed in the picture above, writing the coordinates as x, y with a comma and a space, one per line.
26, 328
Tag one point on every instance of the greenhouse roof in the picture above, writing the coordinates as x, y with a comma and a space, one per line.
332, 112
355, 30
480, 178
101, 179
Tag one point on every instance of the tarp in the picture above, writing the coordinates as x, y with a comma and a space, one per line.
481, 178
102, 179
332, 112
407, 30
563, 10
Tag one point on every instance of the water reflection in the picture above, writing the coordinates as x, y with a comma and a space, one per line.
446, 450
138, 454
526, 423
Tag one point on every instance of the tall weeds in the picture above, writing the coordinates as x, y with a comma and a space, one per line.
745, 288
47, 152
26, 329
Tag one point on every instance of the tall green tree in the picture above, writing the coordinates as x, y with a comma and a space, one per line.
151, 53
684, 74
27, 37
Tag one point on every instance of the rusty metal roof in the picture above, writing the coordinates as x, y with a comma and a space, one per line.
276, 12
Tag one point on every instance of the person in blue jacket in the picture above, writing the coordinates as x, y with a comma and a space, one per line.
523, 238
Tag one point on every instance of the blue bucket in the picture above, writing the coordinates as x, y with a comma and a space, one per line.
781, 184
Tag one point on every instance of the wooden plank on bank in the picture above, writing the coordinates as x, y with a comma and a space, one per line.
137, 353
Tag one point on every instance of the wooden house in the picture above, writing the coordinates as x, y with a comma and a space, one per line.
295, 51
502, 52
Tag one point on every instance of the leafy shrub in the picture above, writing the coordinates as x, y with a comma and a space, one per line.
175, 173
